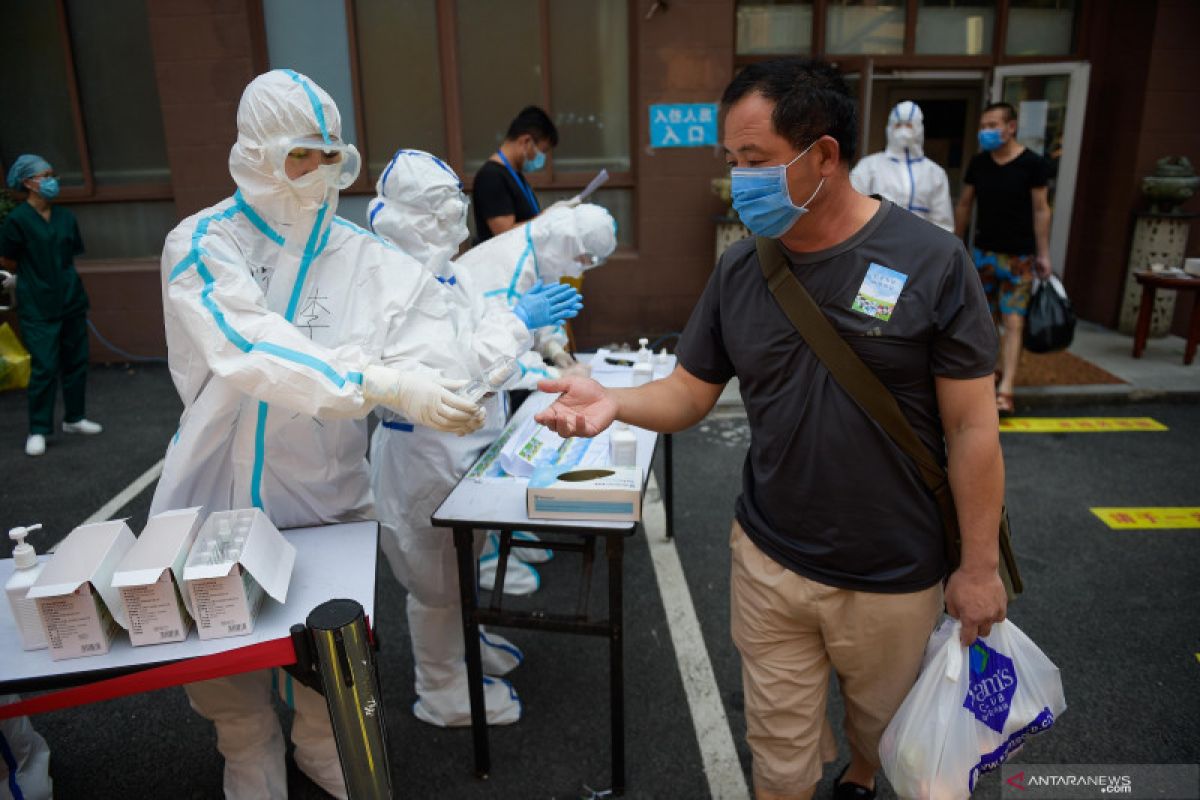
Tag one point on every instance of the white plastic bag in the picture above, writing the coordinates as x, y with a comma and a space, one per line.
970, 709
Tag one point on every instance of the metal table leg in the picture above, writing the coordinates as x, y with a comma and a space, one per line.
615, 550
347, 669
465, 552
669, 483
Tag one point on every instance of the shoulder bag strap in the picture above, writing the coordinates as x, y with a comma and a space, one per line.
842, 362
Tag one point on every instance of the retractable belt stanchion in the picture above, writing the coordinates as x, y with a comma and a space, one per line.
342, 657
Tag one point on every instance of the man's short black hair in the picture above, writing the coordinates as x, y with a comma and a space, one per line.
1010, 113
536, 122
811, 100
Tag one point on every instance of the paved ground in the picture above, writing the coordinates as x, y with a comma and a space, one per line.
1117, 611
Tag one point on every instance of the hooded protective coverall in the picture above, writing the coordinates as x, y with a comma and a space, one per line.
903, 174
285, 326
419, 207
563, 242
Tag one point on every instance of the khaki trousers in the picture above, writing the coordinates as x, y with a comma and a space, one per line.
790, 630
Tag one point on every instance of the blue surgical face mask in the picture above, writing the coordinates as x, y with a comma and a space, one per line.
990, 139
535, 163
48, 188
762, 200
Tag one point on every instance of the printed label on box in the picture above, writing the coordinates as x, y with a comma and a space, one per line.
155, 612
77, 624
226, 606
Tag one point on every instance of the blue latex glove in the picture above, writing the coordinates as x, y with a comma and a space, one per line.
546, 305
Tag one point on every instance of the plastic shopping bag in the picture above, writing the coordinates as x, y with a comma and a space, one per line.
14, 360
970, 709
1050, 320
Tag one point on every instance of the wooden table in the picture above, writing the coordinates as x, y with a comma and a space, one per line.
1152, 282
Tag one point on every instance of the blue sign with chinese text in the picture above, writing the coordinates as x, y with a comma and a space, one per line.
683, 125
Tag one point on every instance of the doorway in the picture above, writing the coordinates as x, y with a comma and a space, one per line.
951, 104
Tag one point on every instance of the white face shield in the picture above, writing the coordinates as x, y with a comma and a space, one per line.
337, 163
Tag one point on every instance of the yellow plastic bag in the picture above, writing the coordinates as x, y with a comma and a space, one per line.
14, 360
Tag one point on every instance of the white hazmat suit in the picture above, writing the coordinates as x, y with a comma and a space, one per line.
563, 242
285, 326
24, 759
420, 207
903, 174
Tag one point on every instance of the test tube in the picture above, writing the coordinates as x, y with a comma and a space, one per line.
494, 376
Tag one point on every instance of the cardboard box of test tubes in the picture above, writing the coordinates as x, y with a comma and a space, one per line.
237, 560
75, 597
150, 575
593, 493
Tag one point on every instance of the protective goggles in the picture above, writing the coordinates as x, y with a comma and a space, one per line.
336, 163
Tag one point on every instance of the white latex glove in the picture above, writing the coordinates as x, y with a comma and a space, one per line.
8, 281
424, 399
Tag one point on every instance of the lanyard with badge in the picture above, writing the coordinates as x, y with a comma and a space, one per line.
524, 187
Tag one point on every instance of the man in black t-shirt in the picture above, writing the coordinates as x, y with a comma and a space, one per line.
1012, 230
837, 544
501, 195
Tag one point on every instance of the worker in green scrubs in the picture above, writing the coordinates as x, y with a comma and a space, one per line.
38, 245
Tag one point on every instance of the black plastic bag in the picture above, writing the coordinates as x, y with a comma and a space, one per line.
1050, 321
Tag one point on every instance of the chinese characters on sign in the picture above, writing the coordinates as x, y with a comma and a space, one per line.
683, 125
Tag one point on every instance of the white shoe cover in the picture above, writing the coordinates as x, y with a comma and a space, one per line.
527, 554
499, 655
441, 672
519, 579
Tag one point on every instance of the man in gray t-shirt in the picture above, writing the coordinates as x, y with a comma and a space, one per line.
826, 492
837, 556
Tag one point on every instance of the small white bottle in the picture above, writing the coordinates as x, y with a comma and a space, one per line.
622, 445
662, 363
644, 352
27, 569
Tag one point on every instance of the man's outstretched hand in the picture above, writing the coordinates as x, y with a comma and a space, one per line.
584, 408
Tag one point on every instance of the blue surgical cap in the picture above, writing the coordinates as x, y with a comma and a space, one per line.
24, 168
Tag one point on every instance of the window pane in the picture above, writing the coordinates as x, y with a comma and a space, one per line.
1041, 27
310, 36
399, 37
865, 26
121, 112
955, 27
590, 105
499, 54
766, 27
36, 115
124, 230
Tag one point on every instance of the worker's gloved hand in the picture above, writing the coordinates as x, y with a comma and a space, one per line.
424, 399
546, 305
8, 281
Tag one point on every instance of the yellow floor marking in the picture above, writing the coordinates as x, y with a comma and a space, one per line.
1158, 517
1078, 424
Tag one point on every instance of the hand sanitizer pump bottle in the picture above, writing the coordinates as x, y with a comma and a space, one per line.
25, 573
